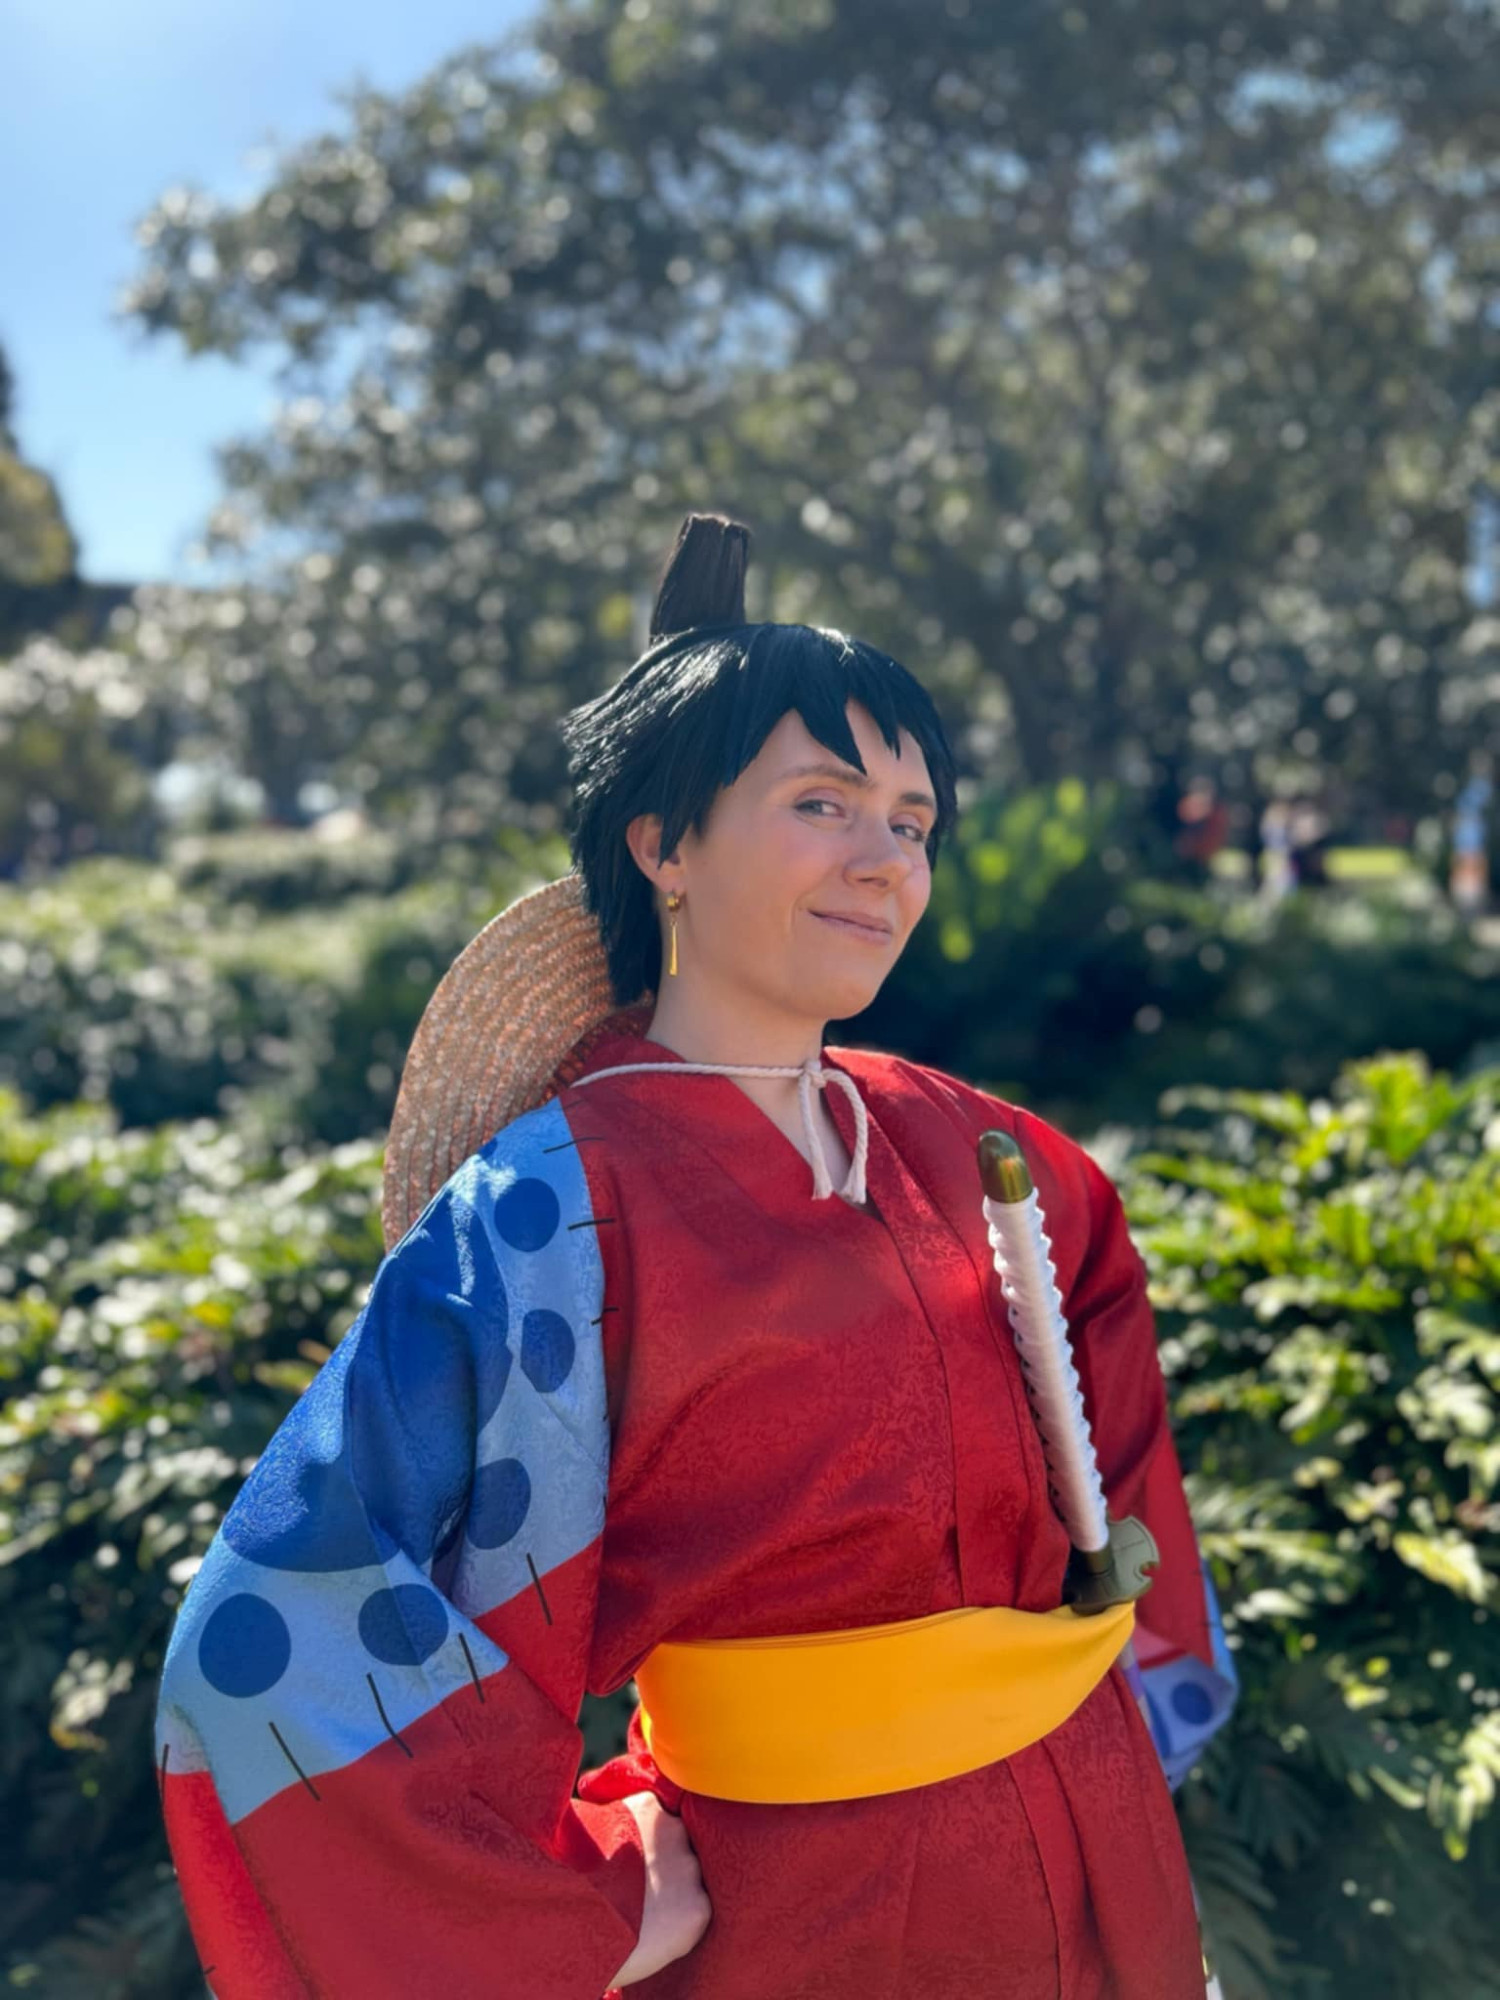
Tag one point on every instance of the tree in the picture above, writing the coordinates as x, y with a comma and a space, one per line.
37, 550
1128, 373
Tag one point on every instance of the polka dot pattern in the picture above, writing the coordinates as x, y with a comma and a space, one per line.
500, 1503
546, 1349
245, 1647
451, 1450
1191, 1702
527, 1214
403, 1626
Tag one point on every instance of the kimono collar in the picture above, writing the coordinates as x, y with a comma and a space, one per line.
809, 1073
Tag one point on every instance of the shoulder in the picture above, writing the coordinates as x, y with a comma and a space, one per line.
518, 1189
1053, 1156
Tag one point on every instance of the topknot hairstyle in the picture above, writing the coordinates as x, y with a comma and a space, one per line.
695, 709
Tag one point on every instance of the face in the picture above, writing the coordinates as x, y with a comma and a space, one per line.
784, 854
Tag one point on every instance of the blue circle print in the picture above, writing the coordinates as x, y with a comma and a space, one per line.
404, 1625
245, 1647
527, 1214
546, 1349
1191, 1702
502, 1495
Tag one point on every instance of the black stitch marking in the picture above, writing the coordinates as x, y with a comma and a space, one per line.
607, 1309
539, 1590
166, 1751
591, 1222
478, 1689
208, 1969
292, 1760
582, 1139
395, 1738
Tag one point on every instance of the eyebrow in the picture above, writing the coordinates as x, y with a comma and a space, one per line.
861, 780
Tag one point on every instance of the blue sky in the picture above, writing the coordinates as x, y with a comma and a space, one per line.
107, 103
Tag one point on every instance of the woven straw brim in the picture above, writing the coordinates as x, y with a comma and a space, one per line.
505, 1014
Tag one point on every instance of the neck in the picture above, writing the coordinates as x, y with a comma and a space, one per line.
702, 1032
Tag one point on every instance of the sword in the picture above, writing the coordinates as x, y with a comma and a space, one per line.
1110, 1560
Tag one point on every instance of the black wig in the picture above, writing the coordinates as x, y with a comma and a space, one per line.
695, 709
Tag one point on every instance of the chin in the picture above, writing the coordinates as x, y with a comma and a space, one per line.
842, 1003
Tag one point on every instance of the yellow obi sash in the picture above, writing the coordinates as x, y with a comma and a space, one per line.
873, 1708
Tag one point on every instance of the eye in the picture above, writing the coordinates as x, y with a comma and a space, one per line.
906, 826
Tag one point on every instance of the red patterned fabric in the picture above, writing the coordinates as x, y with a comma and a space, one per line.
819, 1420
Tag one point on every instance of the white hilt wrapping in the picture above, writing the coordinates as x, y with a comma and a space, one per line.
1023, 1258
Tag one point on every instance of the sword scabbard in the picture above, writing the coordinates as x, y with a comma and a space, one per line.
1122, 1569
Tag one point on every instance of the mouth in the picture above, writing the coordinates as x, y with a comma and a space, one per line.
870, 929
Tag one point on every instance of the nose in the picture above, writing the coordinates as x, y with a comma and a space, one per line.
885, 855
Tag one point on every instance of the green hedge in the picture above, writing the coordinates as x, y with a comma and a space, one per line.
164, 1295
121, 985
1326, 1279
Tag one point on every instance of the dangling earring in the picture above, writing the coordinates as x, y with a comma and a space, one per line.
673, 901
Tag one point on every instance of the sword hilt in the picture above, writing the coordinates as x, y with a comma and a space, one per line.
1097, 1578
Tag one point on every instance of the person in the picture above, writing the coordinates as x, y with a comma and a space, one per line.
687, 1363
1309, 837
1279, 877
1469, 870
1203, 826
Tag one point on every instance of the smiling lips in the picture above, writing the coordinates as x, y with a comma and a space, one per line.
873, 928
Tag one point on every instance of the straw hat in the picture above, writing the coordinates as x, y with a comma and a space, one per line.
509, 1025
518, 1010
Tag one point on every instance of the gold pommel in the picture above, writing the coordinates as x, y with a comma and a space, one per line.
1002, 1168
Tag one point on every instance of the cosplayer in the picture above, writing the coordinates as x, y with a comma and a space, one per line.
688, 1362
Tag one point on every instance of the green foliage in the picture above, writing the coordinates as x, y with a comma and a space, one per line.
38, 552
77, 733
1124, 370
164, 1296
1326, 1278
118, 985
275, 869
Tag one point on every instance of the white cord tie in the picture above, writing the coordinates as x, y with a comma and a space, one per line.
809, 1073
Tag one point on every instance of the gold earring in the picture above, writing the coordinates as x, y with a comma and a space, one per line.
673, 901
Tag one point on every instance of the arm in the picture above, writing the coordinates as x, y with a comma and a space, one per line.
367, 1723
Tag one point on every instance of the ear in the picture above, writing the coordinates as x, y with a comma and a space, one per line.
643, 838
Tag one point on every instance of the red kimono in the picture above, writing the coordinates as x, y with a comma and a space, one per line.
782, 1414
